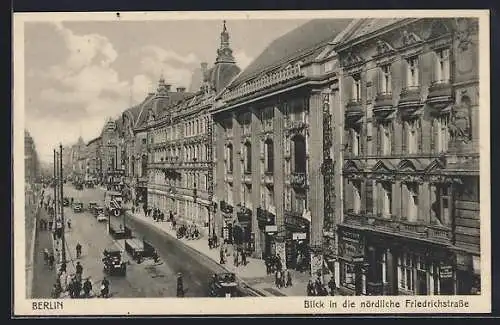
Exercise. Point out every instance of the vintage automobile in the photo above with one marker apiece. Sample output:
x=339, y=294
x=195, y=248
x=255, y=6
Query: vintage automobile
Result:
x=100, y=214
x=223, y=285
x=113, y=261
x=77, y=207
x=92, y=206
x=65, y=202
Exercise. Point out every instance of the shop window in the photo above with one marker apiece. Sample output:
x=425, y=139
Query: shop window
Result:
x=300, y=158
x=347, y=275
x=405, y=272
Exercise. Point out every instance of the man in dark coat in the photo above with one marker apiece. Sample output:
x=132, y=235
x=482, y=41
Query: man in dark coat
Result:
x=180, y=285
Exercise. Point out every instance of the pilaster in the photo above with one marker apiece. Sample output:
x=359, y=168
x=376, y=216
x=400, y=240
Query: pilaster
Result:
x=256, y=127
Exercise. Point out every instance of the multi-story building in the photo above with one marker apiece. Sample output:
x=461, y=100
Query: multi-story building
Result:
x=410, y=221
x=31, y=161
x=181, y=170
x=273, y=156
x=111, y=152
x=77, y=161
x=93, y=162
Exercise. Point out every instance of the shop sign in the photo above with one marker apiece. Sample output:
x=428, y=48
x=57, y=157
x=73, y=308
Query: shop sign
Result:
x=272, y=228
x=358, y=259
x=446, y=272
x=299, y=236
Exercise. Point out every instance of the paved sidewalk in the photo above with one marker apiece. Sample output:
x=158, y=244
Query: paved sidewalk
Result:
x=253, y=274
x=90, y=261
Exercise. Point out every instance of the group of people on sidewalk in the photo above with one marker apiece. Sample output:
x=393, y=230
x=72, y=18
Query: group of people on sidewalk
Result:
x=239, y=255
x=282, y=276
x=317, y=288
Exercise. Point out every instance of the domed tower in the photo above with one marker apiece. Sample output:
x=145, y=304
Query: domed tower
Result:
x=225, y=68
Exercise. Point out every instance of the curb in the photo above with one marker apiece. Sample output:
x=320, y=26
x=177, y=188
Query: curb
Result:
x=243, y=284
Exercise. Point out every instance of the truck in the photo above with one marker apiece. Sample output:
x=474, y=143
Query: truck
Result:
x=119, y=231
x=139, y=249
x=113, y=203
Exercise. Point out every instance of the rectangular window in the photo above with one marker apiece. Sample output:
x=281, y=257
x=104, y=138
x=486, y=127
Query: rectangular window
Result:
x=356, y=88
x=442, y=133
x=412, y=199
x=386, y=87
x=386, y=188
x=442, y=66
x=406, y=277
x=386, y=137
x=356, y=196
x=412, y=73
x=355, y=141
x=412, y=136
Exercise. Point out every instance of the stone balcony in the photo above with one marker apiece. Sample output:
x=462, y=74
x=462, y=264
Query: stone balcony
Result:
x=353, y=110
x=402, y=228
x=383, y=106
x=410, y=100
x=440, y=96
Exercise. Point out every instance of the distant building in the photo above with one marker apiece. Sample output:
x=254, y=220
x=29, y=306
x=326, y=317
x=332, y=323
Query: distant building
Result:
x=31, y=160
x=93, y=159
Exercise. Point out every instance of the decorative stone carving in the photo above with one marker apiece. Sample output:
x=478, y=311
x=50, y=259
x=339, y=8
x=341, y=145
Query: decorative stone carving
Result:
x=351, y=59
x=383, y=47
x=464, y=30
x=460, y=128
x=410, y=38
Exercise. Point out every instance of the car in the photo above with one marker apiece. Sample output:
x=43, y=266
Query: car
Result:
x=113, y=261
x=100, y=215
x=65, y=202
x=77, y=207
x=223, y=285
x=92, y=206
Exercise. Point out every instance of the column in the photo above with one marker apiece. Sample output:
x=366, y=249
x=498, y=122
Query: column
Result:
x=256, y=127
x=316, y=189
x=392, y=272
x=279, y=175
x=423, y=203
x=396, y=199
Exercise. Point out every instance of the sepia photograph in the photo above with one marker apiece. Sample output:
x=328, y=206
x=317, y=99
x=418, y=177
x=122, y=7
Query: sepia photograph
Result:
x=251, y=162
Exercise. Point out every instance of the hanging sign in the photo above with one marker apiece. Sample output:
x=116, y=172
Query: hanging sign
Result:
x=299, y=236
x=446, y=272
x=272, y=228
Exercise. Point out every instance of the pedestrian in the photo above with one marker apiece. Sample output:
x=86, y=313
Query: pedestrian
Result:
x=278, y=279
x=87, y=288
x=268, y=265
x=288, y=278
x=310, y=288
x=51, y=260
x=77, y=288
x=79, y=271
x=332, y=286
x=155, y=257
x=46, y=256
x=56, y=292
x=180, y=285
x=105, y=288
x=279, y=265
x=69, y=223
x=243, y=257
x=78, y=250
x=221, y=252
x=235, y=257
x=318, y=287
x=71, y=288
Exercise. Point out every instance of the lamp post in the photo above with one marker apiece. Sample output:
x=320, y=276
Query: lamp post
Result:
x=62, y=207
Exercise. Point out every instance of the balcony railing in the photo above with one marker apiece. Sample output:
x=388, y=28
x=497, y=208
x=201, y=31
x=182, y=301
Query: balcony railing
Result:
x=410, y=100
x=440, y=95
x=354, y=109
x=402, y=228
x=265, y=81
x=298, y=179
x=383, y=105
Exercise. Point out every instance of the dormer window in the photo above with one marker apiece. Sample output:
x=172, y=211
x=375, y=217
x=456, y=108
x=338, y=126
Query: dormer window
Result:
x=412, y=76
x=442, y=66
x=385, y=87
x=356, y=88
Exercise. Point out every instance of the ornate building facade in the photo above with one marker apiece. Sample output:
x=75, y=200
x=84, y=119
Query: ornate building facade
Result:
x=271, y=155
x=180, y=147
x=93, y=159
x=410, y=221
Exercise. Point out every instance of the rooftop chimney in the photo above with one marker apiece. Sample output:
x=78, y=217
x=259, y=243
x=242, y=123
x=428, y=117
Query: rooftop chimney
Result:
x=181, y=89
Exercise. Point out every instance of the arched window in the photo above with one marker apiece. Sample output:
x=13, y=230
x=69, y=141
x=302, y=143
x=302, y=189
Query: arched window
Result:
x=229, y=157
x=248, y=157
x=144, y=165
x=299, y=149
x=269, y=155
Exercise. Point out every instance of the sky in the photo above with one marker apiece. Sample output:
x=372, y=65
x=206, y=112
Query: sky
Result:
x=78, y=74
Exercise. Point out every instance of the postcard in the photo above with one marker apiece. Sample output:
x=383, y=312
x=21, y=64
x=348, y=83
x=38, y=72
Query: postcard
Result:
x=229, y=163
